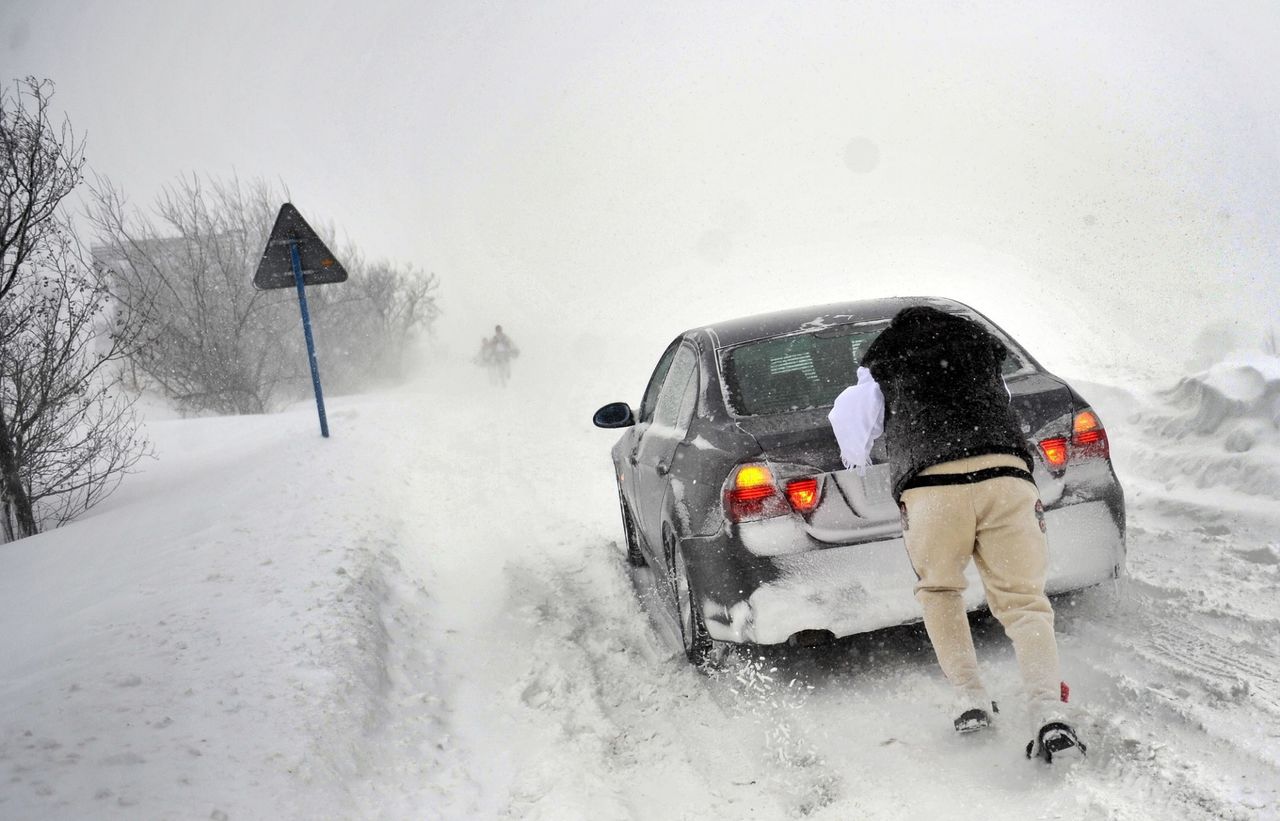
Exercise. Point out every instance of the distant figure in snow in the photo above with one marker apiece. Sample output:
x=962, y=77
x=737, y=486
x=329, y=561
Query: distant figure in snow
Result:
x=496, y=353
x=961, y=473
x=485, y=358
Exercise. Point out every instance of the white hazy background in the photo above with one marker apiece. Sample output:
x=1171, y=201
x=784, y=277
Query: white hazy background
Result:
x=1100, y=178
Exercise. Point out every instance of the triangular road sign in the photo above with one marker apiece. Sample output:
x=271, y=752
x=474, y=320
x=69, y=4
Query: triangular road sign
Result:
x=319, y=266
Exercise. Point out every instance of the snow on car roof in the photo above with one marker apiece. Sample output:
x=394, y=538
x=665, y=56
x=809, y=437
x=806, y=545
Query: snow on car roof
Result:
x=762, y=326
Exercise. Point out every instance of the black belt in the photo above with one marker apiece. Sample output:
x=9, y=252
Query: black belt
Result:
x=940, y=479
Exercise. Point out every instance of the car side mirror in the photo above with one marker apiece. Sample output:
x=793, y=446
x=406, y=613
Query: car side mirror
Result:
x=614, y=415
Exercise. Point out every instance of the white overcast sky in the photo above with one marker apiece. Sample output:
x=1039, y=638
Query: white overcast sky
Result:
x=1094, y=175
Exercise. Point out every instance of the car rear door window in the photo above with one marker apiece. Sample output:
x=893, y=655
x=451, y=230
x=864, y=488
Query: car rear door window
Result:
x=675, y=388
x=655, y=382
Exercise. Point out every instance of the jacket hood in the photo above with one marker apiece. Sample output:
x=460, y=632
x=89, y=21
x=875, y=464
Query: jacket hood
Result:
x=931, y=330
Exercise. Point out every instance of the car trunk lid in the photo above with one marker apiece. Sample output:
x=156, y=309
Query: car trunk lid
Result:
x=858, y=505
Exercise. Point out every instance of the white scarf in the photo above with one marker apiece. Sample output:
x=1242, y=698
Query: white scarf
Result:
x=857, y=419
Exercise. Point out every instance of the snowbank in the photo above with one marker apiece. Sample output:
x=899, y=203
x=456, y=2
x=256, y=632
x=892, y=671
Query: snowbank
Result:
x=1221, y=427
x=212, y=642
x=1244, y=388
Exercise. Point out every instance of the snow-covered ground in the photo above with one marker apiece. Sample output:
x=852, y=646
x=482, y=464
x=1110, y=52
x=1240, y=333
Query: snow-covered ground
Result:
x=428, y=616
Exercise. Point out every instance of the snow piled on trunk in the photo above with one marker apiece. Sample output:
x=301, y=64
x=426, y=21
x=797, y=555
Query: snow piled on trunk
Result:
x=429, y=616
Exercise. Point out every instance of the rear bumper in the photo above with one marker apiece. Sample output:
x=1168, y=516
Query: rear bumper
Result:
x=858, y=588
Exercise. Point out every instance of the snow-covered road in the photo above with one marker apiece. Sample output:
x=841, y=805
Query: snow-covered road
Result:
x=580, y=706
x=429, y=617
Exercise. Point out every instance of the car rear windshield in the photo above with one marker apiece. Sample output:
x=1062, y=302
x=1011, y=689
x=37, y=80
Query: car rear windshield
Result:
x=809, y=370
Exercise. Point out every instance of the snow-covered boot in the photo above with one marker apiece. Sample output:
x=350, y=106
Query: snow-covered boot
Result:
x=1054, y=738
x=975, y=719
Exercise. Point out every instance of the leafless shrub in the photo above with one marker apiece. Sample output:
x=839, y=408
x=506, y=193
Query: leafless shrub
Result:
x=371, y=321
x=215, y=343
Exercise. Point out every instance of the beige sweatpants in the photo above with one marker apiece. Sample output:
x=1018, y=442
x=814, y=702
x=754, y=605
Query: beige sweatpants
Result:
x=997, y=523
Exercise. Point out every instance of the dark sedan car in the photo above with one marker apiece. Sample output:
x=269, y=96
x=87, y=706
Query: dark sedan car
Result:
x=732, y=489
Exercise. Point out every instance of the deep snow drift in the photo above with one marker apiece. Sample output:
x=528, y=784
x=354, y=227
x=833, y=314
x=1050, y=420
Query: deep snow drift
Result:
x=428, y=616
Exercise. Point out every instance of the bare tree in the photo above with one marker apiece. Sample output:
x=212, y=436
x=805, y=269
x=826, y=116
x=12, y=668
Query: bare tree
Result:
x=68, y=424
x=217, y=344
x=67, y=432
x=214, y=342
x=42, y=164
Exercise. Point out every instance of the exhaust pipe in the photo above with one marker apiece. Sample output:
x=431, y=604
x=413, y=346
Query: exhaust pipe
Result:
x=810, y=638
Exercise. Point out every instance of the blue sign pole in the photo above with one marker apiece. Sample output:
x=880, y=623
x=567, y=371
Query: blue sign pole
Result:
x=306, y=329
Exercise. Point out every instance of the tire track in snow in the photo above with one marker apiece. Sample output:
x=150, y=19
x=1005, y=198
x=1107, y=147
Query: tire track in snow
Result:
x=566, y=701
x=638, y=716
x=1225, y=669
x=1183, y=662
x=750, y=687
x=1164, y=722
x=1221, y=632
x=794, y=768
x=1152, y=759
x=597, y=682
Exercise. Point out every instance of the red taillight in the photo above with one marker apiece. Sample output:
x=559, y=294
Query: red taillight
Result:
x=1088, y=441
x=1088, y=437
x=752, y=495
x=803, y=494
x=1086, y=421
x=1055, y=452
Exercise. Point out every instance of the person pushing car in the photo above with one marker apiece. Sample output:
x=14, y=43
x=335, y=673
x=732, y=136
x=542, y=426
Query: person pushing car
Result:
x=961, y=474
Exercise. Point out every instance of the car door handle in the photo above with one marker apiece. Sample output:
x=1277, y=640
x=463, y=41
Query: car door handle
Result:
x=663, y=469
x=632, y=459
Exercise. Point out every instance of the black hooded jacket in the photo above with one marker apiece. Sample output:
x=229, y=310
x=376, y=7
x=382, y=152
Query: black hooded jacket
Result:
x=944, y=396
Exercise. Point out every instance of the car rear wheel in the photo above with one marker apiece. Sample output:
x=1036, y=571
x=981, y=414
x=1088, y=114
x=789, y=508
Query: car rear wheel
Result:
x=701, y=650
x=635, y=557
